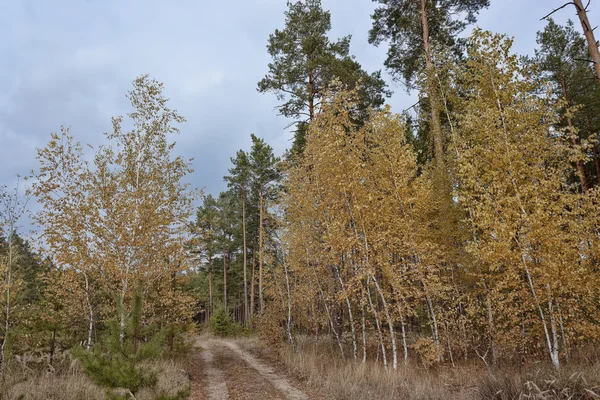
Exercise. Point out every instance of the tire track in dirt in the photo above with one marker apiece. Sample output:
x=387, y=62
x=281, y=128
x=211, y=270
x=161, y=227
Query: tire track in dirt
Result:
x=224, y=371
x=215, y=384
x=267, y=373
x=243, y=382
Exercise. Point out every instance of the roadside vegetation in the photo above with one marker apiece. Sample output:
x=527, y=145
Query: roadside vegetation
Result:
x=450, y=251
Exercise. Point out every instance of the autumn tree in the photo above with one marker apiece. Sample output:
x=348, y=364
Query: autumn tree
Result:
x=513, y=169
x=121, y=218
x=306, y=61
x=354, y=207
x=205, y=246
x=414, y=29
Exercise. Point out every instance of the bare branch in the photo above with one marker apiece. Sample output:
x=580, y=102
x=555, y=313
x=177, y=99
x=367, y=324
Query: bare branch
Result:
x=557, y=9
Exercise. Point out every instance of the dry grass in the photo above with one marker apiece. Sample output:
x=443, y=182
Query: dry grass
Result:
x=31, y=380
x=66, y=382
x=321, y=368
x=571, y=383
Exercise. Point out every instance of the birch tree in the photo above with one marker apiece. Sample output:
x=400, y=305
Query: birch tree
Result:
x=12, y=207
x=120, y=218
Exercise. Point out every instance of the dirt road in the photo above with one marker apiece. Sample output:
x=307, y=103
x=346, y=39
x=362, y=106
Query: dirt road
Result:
x=224, y=371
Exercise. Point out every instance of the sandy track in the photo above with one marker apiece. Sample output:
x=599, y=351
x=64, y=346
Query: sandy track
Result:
x=253, y=377
x=215, y=387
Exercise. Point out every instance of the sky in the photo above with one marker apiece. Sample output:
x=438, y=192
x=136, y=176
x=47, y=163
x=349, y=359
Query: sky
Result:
x=70, y=62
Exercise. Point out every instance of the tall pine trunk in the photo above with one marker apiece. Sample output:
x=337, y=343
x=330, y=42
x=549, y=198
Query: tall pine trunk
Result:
x=244, y=251
x=210, y=294
x=252, y=281
x=436, y=126
x=260, y=252
x=225, y=280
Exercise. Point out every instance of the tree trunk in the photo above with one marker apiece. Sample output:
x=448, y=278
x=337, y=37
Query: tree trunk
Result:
x=331, y=324
x=210, y=294
x=225, y=280
x=434, y=326
x=125, y=283
x=350, y=316
x=553, y=330
x=91, y=312
x=288, y=321
x=552, y=351
x=490, y=316
x=378, y=325
x=403, y=328
x=244, y=251
x=589, y=35
x=436, y=126
x=260, y=253
x=364, y=328
x=253, y=280
x=8, y=281
x=311, y=95
x=390, y=323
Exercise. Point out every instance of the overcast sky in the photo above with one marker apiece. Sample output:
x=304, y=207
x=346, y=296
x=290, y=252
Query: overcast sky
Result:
x=71, y=61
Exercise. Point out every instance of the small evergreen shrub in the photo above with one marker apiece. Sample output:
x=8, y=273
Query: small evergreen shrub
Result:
x=221, y=323
x=119, y=364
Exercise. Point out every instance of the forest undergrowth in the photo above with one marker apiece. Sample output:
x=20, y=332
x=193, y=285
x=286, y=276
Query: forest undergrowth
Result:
x=318, y=364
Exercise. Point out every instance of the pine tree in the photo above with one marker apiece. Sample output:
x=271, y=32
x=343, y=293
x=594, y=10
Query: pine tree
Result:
x=265, y=179
x=117, y=362
x=305, y=62
x=561, y=56
x=239, y=180
x=415, y=28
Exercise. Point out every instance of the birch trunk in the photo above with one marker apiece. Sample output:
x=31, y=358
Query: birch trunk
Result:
x=331, y=324
x=288, y=324
x=377, y=325
x=364, y=329
x=91, y=312
x=389, y=322
x=403, y=329
x=552, y=351
x=350, y=316
x=434, y=326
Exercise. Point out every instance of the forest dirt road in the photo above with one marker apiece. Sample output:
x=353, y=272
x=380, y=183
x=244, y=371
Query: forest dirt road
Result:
x=222, y=370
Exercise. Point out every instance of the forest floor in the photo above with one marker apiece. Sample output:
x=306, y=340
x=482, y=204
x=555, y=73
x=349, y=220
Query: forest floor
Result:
x=222, y=370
